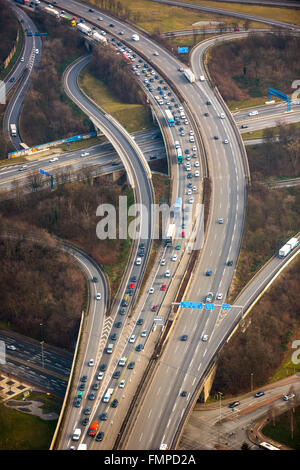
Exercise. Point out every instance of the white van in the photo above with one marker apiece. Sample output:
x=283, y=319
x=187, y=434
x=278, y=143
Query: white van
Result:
x=76, y=435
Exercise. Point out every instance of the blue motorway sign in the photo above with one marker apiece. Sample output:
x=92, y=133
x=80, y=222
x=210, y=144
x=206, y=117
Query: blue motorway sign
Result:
x=182, y=50
x=225, y=307
x=209, y=306
x=198, y=305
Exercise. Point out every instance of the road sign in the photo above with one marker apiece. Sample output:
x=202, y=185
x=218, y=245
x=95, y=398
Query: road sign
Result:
x=198, y=305
x=182, y=50
x=225, y=307
x=209, y=306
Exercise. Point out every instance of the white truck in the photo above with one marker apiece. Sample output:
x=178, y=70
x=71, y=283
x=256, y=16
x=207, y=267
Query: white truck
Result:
x=100, y=38
x=159, y=100
x=189, y=75
x=82, y=447
x=76, y=434
x=107, y=396
x=13, y=130
x=52, y=11
x=288, y=247
x=170, y=234
x=135, y=37
x=84, y=29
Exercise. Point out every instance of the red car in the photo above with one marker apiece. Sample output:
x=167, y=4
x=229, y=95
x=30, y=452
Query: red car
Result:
x=163, y=287
x=154, y=308
x=131, y=285
x=182, y=234
x=236, y=29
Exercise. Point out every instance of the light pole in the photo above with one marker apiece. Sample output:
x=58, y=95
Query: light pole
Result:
x=251, y=381
x=220, y=400
x=42, y=344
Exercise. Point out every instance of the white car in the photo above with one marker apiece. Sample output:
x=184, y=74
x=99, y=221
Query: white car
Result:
x=174, y=258
x=167, y=273
x=194, y=148
x=85, y=154
x=163, y=262
x=91, y=362
x=191, y=132
x=138, y=261
x=144, y=334
x=194, y=188
x=222, y=116
x=191, y=200
x=197, y=173
x=11, y=347
x=151, y=290
x=219, y=296
x=98, y=296
x=122, y=384
x=226, y=141
x=54, y=159
x=192, y=139
x=186, y=121
x=204, y=337
x=220, y=220
x=189, y=192
x=155, y=53
x=288, y=396
x=23, y=167
x=132, y=339
x=196, y=163
x=37, y=51
x=22, y=59
x=253, y=113
x=100, y=376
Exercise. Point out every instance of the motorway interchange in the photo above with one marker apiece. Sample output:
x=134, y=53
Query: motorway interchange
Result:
x=197, y=335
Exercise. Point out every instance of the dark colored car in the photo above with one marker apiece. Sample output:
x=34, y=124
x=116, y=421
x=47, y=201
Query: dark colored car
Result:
x=85, y=422
x=233, y=404
x=139, y=347
x=82, y=386
x=103, y=367
x=183, y=394
x=131, y=365
x=113, y=337
x=229, y=262
x=77, y=402
x=87, y=411
x=259, y=394
x=184, y=337
x=83, y=378
x=103, y=416
x=114, y=403
x=208, y=103
x=100, y=436
x=118, y=324
x=95, y=279
x=216, y=137
x=140, y=321
x=116, y=374
x=122, y=311
x=208, y=272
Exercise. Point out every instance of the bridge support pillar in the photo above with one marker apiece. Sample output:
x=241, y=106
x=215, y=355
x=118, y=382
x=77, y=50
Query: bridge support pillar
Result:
x=208, y=383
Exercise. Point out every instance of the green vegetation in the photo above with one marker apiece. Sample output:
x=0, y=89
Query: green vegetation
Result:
x=133, y=117
x=244, y=70
x=21, y=431
x=287, y=15
x=286, y=429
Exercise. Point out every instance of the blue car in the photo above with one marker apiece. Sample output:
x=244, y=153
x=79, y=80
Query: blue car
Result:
x=259, y=394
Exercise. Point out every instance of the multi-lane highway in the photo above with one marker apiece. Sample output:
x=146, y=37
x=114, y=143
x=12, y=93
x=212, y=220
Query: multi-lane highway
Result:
x=184, y=362
x=21, y=74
